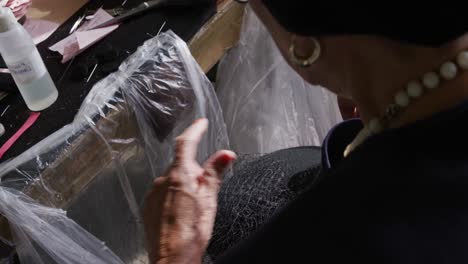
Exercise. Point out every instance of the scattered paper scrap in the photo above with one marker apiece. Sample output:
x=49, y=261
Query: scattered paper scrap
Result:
x=40, y=29
x=84, y=37
x=19, y=7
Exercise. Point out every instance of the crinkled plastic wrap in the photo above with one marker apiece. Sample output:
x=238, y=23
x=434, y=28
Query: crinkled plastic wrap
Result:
x=98, y=168
x=267, y=105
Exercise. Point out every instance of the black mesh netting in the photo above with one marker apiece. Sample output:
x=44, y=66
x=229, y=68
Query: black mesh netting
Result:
x=260, y=186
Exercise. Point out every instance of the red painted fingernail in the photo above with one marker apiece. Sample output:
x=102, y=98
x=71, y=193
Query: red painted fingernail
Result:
x=227, y=159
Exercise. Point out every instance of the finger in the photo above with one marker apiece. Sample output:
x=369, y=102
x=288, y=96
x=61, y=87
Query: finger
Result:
x=159, y=181
x=187, y=143
x=159, y=184
x=219, y=162
x=155, y=194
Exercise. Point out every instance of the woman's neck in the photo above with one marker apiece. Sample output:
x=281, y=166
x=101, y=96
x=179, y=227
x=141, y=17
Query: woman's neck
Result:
x=446, y=96
x=379, y=84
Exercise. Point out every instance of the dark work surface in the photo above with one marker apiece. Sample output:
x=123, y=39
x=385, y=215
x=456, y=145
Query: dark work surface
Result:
x=185, y=22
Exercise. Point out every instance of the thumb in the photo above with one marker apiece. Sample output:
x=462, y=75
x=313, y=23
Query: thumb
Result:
x=218, y=163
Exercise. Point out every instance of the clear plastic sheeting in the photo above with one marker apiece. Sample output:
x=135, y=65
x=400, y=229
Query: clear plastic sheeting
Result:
x=98, y=168
x=267, y=105
x=50, y=229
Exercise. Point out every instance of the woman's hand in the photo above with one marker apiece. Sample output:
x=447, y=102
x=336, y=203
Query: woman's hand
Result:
x=180, y=208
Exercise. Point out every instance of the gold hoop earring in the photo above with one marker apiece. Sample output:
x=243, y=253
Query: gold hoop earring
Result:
x=304, y=61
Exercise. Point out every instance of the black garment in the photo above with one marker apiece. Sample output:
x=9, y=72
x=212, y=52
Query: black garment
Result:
x=401, y=197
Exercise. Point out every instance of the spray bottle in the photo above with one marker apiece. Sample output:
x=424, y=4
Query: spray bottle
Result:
x=25, y=63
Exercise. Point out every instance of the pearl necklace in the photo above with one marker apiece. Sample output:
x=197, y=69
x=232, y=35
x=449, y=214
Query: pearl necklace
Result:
x=413, y=90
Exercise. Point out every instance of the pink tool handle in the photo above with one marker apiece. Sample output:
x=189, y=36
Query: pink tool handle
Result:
x=29, y=122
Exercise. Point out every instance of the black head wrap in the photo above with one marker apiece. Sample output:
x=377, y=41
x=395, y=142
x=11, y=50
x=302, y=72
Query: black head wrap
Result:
x=431, y=25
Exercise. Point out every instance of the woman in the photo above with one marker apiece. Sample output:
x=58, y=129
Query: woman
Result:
x=393, y=189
